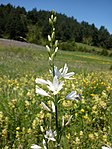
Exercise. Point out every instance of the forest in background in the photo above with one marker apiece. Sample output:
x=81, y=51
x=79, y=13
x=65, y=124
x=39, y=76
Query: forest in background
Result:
x=32, y=26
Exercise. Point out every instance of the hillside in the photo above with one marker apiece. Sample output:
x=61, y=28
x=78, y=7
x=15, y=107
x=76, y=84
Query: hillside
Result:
x=18, y=58
x=33, y=26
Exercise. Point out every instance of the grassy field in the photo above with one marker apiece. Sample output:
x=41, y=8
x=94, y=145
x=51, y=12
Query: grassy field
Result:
x=16, y=60
x=21, y=113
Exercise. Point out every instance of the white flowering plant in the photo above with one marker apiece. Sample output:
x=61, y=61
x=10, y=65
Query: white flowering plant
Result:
x=53, y=92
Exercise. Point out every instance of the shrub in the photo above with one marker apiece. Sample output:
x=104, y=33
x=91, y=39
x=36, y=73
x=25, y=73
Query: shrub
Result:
x=104, y=52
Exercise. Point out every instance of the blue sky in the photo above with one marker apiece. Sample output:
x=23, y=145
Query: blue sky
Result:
x=98, y=12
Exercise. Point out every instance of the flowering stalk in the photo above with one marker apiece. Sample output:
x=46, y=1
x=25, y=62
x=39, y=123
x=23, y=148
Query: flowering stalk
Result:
x=54, y=88
x=52, y=48
x=52, y=53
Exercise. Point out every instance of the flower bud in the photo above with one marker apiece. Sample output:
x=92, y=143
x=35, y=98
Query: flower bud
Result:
x=50, y=21
x=54, y=19
x=53, y=55
x=53, y=29
x=50, y=59
x=41, y=128
x=56, y=43
x=49, y=38
x=56, y=49
x=53, y=34
x=48, y=49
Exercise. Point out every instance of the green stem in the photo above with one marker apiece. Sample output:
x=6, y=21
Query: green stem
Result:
x=57, y=125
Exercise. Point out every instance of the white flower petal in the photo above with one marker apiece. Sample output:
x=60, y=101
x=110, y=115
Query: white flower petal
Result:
x=65, y=69
x=34, y=146
x=40, y=91
x=57, y=73
x=61, y=70
x=55, y=87
x=40, y=81
x=68, y=75
x=55, y=83
x=45, y=107
x=69, y=120
x=64, y=73
x=72, y=96
x=60, y=86
x=50, y=86
x=52, y=139
x=104, y=147
x=50, y=135
x=44, y=144
x=53, y=107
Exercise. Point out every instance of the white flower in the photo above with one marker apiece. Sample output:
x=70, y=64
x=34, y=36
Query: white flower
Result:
x=40, y=91
x=72, y=96
x=50, y=135
x=104, y=147
x=55, y=87
x=34, y=146
x=64, y=73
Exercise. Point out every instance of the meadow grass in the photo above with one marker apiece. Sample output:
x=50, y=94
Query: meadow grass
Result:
x=21, y=113
x=18, y=61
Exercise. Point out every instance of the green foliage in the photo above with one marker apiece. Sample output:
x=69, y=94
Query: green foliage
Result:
x=33, y=60
x=68, y=46
x=104, y=52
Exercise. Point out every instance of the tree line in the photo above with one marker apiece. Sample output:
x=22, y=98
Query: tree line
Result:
x=32, y=26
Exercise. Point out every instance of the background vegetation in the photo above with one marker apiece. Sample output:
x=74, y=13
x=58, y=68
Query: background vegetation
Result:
x=32, y=26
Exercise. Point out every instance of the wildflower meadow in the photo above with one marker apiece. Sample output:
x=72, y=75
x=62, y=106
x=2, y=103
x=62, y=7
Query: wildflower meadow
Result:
x=59, y=109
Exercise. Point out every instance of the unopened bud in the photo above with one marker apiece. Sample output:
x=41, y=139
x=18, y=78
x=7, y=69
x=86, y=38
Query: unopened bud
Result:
x=48, y=49
x=49, y=38
x=56, y=49
x=50, y=21
x=50, y=59
x=53, y=34
x=53, y=55
x=41, y=128
x=56, y=43
x=54, y=19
